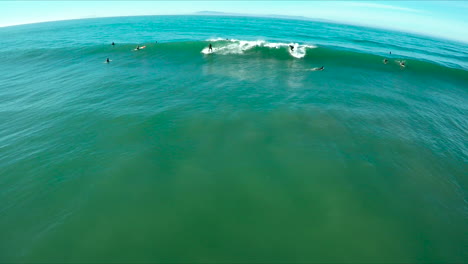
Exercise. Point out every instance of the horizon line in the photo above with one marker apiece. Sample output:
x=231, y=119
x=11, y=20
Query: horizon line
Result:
x=272, y=16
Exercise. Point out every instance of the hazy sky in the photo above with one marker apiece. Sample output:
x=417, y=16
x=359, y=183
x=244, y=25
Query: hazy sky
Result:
x=447, y=19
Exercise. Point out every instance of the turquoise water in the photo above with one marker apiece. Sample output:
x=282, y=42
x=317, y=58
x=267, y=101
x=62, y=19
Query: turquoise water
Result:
x=169, y=154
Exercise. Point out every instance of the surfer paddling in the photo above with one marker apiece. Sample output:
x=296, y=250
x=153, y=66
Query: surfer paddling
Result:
x=107, y=60
x=113, y=44
x=402, y=64
x=139, y=48
x=318, y=69
x=385, y=61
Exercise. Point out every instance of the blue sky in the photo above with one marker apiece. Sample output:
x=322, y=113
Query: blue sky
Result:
x=446, y=19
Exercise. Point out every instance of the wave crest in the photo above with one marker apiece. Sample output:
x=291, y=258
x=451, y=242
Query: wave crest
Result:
x=235, y=46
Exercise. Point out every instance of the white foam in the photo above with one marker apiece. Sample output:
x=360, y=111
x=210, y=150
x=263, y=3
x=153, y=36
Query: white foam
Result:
x=276, y=45
x=298, y=51
x=235, y=47
x=240, y=46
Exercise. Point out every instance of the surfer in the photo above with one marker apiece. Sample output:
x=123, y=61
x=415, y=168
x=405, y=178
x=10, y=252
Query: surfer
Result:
x=291, y=47
x=210, y=48
x=385, y=61
x=318, y=69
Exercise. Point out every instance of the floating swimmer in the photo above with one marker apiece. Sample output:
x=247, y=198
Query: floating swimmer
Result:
x=318, y=68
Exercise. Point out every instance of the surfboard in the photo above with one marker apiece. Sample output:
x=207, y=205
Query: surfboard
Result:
x=206, y=51
x=142, y=47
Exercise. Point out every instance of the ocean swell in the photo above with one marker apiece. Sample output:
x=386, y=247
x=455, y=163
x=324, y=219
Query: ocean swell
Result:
x=235, y=46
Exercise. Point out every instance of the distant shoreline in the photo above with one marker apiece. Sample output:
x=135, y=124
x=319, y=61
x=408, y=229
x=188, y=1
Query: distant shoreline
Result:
x=272, y=16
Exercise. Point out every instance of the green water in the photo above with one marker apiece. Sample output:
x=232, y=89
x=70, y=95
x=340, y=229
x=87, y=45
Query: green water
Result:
x=245, y=155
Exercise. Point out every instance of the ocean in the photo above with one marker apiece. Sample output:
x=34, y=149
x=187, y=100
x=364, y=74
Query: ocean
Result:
x=246, y=154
